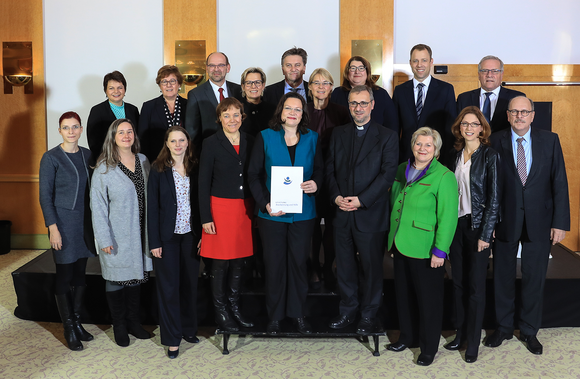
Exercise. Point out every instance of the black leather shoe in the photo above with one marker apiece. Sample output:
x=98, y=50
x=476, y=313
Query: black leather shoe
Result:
x=497, y=338
x=303, y=325
x=532, y=343
x=454, y=345
x=470, y=358
x=366, y=325
x=273, y=327
x=340, y=321
x=396, y=347
x=425, y=360
x=191, y=339
x=172, y=354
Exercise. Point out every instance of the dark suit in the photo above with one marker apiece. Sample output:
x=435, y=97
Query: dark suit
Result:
x=274, y=92
x=439, y=113
x=499, y=120
x=527, y=213
x=367, y=174
x=201, y=106
x=177, y=269
x=100, y=118
x=153, y=124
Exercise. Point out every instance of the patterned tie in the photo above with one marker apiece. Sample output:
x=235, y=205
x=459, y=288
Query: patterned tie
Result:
x=221, y=90
x=419, y=105
x=295, y=90
x=487, y=106
x=522, y=172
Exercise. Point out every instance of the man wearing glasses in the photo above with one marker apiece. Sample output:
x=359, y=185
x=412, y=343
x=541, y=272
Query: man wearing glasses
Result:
x=360, y=168
x=491, y=98
x=203, y=100
x=424, y=101
x=293, y=67
x=534, y=211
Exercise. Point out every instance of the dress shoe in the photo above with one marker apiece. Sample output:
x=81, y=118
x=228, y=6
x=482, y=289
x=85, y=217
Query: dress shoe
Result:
x=366, y=325
x=454, y=345
x=273, y=327
x=191, y=339
x=470, y=358
x=532, y=343
x=341, y=321
x=397, y=346
x=172, y=354
x=425, y=360
x=497, y=338
x=303, y=326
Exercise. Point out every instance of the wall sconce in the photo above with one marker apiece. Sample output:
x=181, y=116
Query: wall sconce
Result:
x=372, y=50
x=17, y=64
x=190, y=59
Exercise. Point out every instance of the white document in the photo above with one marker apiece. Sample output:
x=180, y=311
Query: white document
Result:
x=285, y=191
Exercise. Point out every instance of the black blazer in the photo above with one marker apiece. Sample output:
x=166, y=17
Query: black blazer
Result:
x=499, y=121
x=100, y=118
x=222, y=172
x=274, y=92
x=544, y=201
x=439, y=113
x=162, y=206
x=153, y=124
x=201, y=106
x=371, y=175
x=258, y=116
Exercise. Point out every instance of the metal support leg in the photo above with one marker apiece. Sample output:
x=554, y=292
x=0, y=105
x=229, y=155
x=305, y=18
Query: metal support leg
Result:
x=227, y=338
x=376, y=352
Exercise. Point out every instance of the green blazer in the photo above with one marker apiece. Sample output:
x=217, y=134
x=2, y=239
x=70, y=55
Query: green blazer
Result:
x=424, y=212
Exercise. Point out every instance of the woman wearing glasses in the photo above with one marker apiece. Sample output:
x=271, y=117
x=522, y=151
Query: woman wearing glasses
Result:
x=357, y=72
x=475, y=166
x=324, y=116
x=258, y=112
x=286, y=236
x=161, y=113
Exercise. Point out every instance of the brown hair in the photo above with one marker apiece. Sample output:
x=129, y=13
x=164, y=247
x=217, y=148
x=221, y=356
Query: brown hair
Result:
x=116, y=76
x=226, y=104
x=455, y=128
x=295, y=51
x=110, y=153
x=167, y=70
x=276, y=121
x=421, y=47
x=369, y=82
x=165, y=160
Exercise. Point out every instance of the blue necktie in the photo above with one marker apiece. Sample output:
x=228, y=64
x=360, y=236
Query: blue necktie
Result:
x=487, y=106
x=419, y=105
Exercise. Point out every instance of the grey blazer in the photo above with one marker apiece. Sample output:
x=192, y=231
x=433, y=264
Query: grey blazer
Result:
x=116, y=223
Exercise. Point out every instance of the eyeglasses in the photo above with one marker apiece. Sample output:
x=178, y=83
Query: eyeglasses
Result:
x=354, y=104
x=214, y=66
x=359, y=68
x=290, y=109
x=472, y=124
x=66, y=128
x=322, y=84
x=251, y=83
x=168, y=82
x=493, y=72
x=524, y=113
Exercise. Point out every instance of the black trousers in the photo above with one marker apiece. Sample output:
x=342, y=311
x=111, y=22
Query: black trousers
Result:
x=370, y=247
x=469, y=268
x=419, y=291
x=534, y=264
x=177, y=271
x=286, y=250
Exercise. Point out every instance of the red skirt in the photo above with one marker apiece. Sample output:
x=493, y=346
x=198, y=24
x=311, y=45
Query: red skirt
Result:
x=233, y=226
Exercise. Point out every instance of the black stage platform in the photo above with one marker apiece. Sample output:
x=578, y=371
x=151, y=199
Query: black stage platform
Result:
x=34, y=286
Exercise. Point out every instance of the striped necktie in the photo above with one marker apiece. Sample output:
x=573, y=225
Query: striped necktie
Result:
x=419, y=105
x=521, y=157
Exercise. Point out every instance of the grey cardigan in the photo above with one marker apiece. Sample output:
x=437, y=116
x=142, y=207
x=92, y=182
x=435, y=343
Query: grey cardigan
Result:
x=116, y=223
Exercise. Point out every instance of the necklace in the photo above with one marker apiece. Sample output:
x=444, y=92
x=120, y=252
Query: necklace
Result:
x=233, y=140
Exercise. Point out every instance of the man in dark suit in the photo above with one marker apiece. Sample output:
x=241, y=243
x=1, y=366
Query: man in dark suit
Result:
x=424, y=101
x=534, y=211
x=360, y=168
x=203, y=100
x=491, y=98
x=293, y=67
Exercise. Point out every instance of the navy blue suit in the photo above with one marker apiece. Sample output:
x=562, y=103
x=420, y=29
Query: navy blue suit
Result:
x=274, y=92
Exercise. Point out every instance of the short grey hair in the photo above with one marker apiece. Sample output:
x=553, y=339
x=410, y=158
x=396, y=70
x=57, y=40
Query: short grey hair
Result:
x=362, y=88
x=428, y=132
x=488, y=57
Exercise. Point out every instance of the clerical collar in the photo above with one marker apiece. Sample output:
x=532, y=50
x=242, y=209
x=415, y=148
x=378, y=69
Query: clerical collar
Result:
x=362, y=129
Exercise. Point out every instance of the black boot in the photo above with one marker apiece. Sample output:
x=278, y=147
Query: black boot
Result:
x=218, y=290
x=65, y=308
x=79, y=295
x=133, y=299
x=235, y=281
x=117, y=306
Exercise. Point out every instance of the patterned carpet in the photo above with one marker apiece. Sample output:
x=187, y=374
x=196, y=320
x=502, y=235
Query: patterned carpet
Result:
x=37, y=350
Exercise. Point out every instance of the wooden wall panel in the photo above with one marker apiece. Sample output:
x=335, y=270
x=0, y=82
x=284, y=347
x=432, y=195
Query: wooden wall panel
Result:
x=360, y=20
x=565, y=114
x=22, y=123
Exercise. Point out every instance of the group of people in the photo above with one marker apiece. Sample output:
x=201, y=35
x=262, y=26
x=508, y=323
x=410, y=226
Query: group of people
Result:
x=419, y=174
